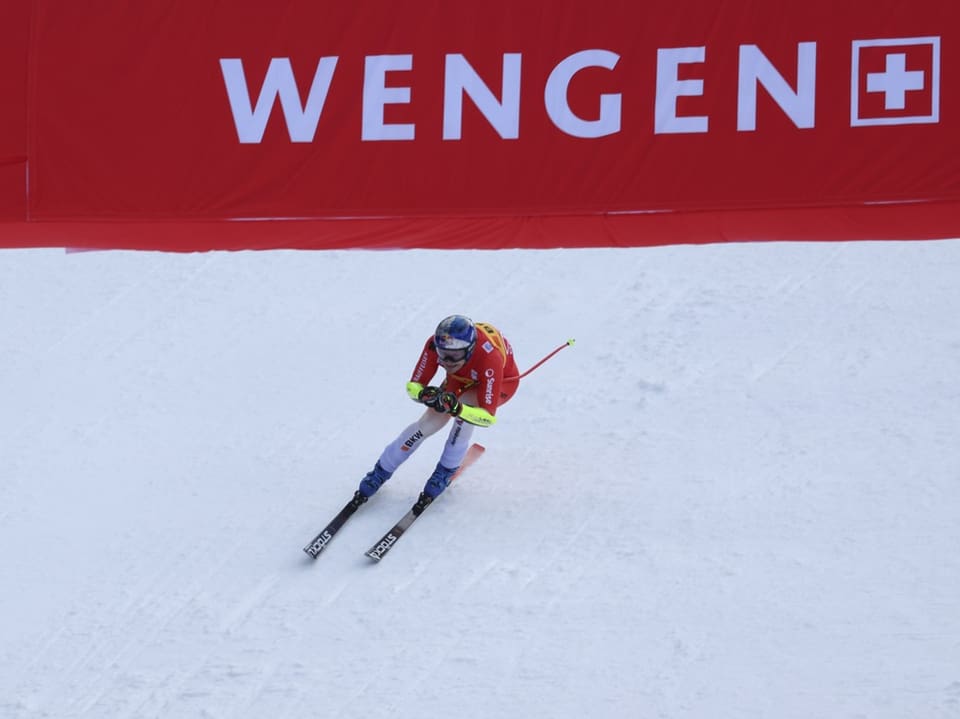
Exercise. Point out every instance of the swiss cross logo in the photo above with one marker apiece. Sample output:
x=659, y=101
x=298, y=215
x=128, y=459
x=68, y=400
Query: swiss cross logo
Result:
x=895, y=81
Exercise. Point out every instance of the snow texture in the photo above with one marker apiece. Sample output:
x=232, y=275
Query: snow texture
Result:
x=738, y=495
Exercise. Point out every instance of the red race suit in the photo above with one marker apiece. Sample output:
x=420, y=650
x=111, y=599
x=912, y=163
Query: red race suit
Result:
x=491, y=370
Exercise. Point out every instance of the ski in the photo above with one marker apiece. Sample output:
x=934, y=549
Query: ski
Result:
x=386, y=542
x=378, y=550
x=319, y=543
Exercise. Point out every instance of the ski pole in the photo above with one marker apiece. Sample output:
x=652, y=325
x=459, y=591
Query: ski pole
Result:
x=568, y=343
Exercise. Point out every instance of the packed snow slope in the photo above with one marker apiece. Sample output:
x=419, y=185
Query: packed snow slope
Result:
x=738, y=495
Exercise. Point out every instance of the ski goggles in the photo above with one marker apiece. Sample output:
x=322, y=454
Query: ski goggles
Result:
x=452, y=356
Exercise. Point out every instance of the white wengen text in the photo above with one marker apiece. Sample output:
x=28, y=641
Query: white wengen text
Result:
x=502, y=111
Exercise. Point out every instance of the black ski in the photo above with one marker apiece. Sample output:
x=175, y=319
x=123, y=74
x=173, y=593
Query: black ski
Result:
x=378, y=550
x=319, y=543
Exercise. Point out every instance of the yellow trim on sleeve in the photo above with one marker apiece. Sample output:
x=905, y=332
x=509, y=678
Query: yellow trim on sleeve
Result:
x=476, y=415
x=413, y=390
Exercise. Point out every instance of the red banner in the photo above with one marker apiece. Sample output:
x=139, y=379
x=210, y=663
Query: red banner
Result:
x=487, y=125
x=14, y=31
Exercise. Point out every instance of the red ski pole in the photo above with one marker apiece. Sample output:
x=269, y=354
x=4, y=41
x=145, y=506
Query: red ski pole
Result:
x=568, y=343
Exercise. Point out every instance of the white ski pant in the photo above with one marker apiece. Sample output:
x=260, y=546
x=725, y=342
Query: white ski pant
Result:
x=431, y=422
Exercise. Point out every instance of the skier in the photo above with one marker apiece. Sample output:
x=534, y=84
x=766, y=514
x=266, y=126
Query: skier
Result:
x=481, y=375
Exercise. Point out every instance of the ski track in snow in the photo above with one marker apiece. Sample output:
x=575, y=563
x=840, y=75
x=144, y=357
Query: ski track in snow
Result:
x=736, y=496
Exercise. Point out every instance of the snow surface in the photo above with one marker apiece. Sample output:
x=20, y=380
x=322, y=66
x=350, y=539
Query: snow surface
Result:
x=737, y=496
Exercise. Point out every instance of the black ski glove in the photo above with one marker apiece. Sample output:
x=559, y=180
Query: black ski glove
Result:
x=430, y=396
x=448, y=403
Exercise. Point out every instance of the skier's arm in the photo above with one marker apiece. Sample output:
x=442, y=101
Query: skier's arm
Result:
x=424, y=371
x=488, y=393
x=469, y=413
x=476, y=415
x=413, y=390
x=426, y=366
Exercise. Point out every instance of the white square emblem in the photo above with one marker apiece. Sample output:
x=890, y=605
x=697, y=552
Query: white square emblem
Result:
x=895, y=81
